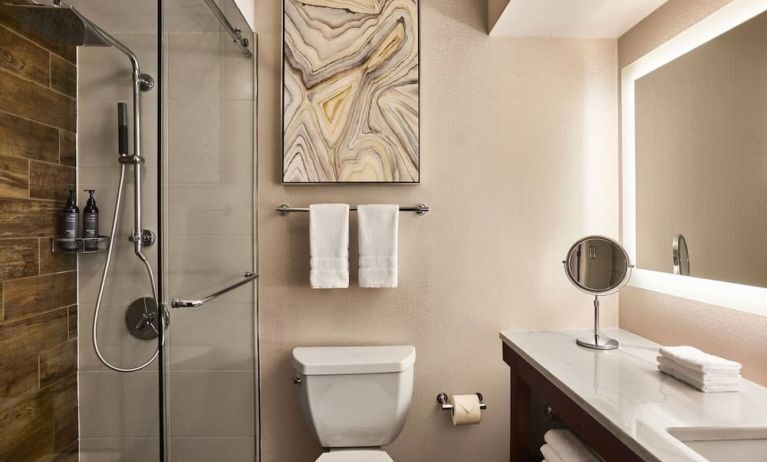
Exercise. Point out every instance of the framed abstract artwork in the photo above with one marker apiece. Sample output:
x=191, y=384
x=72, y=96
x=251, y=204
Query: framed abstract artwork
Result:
x=350, y=91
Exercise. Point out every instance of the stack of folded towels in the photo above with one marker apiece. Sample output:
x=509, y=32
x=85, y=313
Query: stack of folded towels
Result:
x=707, y=373
x=563, y=446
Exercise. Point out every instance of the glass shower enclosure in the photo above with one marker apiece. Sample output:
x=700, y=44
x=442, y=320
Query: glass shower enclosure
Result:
x=166, y=320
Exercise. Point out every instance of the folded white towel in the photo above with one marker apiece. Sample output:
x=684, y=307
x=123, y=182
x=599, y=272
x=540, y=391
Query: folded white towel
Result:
x=712, y=378
x=378, y=245
x=706, y=387
x=695, y=359
x=329, y=245
x=549, y=454
x=568, y=447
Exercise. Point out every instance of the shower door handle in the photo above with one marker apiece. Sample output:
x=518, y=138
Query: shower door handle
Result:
x=180, y=303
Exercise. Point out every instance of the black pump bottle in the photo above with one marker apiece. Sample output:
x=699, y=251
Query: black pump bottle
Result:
x=91, y=223
x=68, y=223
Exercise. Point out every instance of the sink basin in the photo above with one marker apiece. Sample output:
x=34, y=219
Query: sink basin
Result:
x=725, y=444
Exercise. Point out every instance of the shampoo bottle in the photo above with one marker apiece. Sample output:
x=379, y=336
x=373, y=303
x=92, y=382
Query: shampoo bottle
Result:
x=91, y=223
x=68, y=221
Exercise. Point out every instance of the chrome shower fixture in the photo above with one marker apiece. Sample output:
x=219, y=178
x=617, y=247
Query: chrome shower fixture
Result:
x=62, y=23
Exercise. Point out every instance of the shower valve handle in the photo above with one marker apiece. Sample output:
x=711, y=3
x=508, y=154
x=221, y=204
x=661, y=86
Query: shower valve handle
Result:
x=122, y=128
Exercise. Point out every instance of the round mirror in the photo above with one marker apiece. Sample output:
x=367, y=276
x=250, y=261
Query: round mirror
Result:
x=681, y=256
x=597, y=265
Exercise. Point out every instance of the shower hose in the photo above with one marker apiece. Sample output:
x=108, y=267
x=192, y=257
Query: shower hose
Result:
x=104, y=276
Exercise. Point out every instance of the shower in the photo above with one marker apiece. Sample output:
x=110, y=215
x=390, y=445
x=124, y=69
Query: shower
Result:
x=62, y=23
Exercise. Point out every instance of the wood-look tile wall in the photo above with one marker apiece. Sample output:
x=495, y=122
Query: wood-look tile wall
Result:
x=38, y=290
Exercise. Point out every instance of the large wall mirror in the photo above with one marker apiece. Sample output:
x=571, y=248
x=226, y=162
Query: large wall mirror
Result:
x=695, y=159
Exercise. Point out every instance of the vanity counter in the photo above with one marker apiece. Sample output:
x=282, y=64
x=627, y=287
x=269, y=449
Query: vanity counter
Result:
x=620, y=391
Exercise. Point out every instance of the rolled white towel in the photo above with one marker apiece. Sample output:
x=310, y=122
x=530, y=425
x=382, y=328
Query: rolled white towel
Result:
x=693, y=358
x=549, y=454
x=568, y=447
x=712, y=378
x=706, y=387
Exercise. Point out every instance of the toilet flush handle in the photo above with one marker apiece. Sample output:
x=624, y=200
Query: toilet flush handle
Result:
x=298, y=380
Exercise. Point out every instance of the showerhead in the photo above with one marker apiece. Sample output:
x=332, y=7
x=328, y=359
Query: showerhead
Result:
x=58, y=22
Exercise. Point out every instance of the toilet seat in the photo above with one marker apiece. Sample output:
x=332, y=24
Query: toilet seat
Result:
x=355, y=455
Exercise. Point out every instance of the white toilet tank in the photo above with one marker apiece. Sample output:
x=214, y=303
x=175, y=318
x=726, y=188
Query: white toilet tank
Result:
x=355, y=396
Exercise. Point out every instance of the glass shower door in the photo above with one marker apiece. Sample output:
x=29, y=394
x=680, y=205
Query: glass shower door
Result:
x=208, y=232
x=118, y=412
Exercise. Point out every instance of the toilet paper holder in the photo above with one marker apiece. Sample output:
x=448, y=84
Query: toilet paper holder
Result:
x=445, y=405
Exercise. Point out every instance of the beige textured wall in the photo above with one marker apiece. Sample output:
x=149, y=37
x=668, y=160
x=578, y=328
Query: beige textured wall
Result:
x=667, y=319
x=519, y=159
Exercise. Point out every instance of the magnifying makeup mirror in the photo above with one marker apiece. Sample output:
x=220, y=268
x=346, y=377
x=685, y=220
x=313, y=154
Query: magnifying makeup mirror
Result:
x=598, y=266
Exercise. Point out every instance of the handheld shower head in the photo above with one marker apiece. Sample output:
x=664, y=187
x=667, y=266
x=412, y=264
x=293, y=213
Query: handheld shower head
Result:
x=122, y=129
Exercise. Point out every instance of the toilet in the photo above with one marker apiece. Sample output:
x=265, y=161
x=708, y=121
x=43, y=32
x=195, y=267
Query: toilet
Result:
x=355, y=399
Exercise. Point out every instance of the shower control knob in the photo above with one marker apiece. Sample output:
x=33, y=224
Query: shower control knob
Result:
x=148, y=237
x=145, y=82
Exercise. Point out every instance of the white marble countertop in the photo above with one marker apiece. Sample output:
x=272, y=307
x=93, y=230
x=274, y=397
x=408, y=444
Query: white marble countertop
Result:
x=623, y=390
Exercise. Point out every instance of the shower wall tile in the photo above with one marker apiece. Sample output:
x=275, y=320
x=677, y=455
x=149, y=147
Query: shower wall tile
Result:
x=219, y=337
x=38, y=290
x=72, y=322
x=206, y=403
x=55, y=262
x=14, y=177
x=9, y=20
x=32, y=101
x=118, y=405
x=199, y=449
x=23, y=57
x=193, y=66
x=115, y=342
x=24, y=138
x=119, y=449
x=19, y=258
x=210, y=202
x=68, y=148
x=24, y=297
x=22, y=342
x=26, y=218
x=58, y=362
x=63, y=76
x=50, y=181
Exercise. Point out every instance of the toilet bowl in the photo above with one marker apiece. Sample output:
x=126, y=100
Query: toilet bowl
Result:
x=355, y=399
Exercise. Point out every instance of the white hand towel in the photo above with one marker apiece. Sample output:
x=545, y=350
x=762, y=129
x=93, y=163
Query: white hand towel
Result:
x=329, y=245
x=568, y=447
x=549, y=454
x=703, y=377
x=695, y=359
x=378, y=245
x=705, y=387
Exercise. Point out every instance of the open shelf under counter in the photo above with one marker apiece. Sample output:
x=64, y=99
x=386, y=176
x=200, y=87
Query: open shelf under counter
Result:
x=617, y=401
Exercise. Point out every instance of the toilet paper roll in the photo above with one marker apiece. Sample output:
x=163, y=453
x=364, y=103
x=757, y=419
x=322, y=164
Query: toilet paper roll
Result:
x=466, y=409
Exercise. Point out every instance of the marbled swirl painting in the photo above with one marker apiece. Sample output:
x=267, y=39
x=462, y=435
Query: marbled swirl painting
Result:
x=350, y=91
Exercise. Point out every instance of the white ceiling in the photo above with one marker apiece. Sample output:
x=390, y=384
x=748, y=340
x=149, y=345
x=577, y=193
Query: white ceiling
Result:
x=571, y=18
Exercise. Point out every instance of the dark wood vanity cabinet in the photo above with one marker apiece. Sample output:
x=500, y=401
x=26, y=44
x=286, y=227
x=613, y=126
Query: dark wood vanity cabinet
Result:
x=526, y=380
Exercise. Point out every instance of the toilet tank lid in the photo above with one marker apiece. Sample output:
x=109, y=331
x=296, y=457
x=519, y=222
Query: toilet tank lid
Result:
x=353, y=359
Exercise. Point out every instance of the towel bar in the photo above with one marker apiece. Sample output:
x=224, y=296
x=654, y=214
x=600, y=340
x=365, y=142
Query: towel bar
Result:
x=419, y=209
